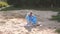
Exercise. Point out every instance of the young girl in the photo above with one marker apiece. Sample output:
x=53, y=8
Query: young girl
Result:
x=31, y=19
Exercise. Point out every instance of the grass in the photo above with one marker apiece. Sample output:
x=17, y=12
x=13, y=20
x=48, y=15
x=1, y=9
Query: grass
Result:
x=10, y=8
x=57, y=30
x=34, y=8
x=57, y=17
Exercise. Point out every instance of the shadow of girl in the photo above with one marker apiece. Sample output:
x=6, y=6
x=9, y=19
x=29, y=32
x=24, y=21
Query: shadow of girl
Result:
x=29, y=28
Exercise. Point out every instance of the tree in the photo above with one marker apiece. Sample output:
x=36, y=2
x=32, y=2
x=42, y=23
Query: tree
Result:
x=35, y=3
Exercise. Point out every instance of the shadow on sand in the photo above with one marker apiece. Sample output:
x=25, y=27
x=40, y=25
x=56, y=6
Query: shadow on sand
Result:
x=29, y=28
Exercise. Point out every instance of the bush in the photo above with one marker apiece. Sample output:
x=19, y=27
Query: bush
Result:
x=3, y=4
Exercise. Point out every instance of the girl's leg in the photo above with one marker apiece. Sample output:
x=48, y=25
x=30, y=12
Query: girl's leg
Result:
x=29, y=24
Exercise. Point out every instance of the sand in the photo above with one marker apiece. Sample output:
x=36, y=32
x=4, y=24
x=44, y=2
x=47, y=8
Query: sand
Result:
x=13, y=22
x=16, y=26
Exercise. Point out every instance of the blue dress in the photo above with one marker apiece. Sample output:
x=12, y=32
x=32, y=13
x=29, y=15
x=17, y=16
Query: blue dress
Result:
x=31, y=19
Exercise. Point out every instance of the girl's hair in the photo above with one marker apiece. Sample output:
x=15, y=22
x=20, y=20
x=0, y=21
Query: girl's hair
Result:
x=30, y=13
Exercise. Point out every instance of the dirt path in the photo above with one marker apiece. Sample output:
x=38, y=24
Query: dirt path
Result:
x=14, y=24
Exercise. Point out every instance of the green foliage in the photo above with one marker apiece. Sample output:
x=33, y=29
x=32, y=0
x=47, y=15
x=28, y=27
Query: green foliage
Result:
x=33, y=3
x=57, y=17
x=3, y=4
x=36, y=4
x=57, y=30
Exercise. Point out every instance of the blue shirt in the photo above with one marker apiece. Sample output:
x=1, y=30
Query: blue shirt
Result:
x=31, y=19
